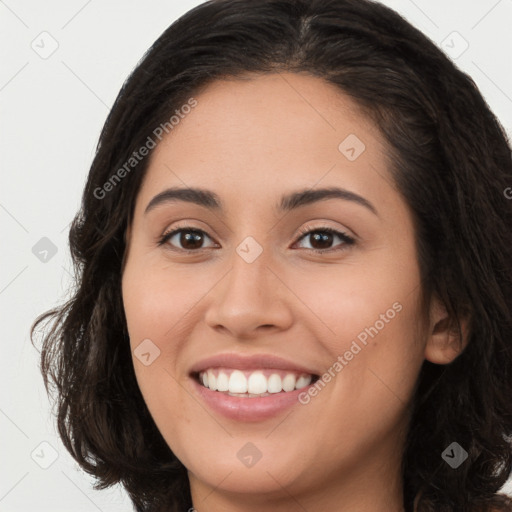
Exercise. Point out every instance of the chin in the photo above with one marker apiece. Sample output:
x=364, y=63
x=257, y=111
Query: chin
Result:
x=236, y=467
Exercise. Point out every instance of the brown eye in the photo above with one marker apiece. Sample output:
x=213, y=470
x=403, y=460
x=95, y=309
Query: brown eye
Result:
x=321, y=239
x=190, y=239
x=187, y=239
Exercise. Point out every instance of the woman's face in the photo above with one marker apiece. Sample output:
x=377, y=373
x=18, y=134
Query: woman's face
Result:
x=245, y=298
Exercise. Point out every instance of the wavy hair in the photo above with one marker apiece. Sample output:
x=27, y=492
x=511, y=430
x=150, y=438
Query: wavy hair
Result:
x=449, y=158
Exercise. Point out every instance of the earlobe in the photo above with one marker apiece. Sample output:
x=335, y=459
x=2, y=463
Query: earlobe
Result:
x=444, y=342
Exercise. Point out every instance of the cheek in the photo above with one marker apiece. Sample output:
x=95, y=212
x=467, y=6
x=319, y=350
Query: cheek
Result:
x=161, y=310
x=366, y=320
x=158, y=300
x=369, y=302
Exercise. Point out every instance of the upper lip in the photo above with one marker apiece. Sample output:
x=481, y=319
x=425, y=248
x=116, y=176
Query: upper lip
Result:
x=249, y=362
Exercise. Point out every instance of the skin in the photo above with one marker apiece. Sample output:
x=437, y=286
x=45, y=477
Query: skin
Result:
x=251, y=141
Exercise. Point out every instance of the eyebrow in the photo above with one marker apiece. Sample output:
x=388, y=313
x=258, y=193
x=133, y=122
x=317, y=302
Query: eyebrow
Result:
x=291, y=201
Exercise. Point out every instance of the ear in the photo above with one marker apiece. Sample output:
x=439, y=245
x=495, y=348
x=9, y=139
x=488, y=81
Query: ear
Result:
x=444, y=343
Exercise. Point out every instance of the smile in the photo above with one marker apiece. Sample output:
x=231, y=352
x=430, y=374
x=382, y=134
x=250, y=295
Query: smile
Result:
x=254, y=383
x=250, y=388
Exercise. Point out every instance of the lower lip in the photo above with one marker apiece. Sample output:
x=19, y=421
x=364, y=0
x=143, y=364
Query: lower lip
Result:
x=248, y=409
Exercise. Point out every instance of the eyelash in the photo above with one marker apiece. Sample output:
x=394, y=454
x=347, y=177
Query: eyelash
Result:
x=307, y=230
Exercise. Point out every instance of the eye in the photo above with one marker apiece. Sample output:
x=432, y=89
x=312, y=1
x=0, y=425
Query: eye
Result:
x=190, y=238
x=323, y=237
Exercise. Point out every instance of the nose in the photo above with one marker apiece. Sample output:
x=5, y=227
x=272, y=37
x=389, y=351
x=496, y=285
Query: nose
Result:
x=251, y=299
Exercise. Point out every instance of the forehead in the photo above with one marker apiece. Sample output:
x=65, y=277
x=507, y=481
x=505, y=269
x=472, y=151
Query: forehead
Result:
x=282, y=110
x=252, y=136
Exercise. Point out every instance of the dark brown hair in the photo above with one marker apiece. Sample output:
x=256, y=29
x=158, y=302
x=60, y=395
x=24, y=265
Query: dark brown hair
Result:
x=450, y=160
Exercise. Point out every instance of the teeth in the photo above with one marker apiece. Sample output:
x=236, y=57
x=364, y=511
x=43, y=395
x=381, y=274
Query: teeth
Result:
x=222, y=382
x=303, y=381
x=237, y=382
x=257, y=383
x=289, y=382
x=274, y=383
x=245, y=395
x=212, y=381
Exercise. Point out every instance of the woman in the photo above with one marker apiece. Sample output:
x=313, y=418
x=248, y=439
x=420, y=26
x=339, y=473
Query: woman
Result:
x=294, y=272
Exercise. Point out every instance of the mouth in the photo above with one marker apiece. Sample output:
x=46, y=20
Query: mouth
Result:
x=250, y=388
x=257, y=383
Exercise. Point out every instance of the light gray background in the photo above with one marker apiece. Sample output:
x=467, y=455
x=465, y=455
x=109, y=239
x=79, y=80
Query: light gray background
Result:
x=52, y=110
